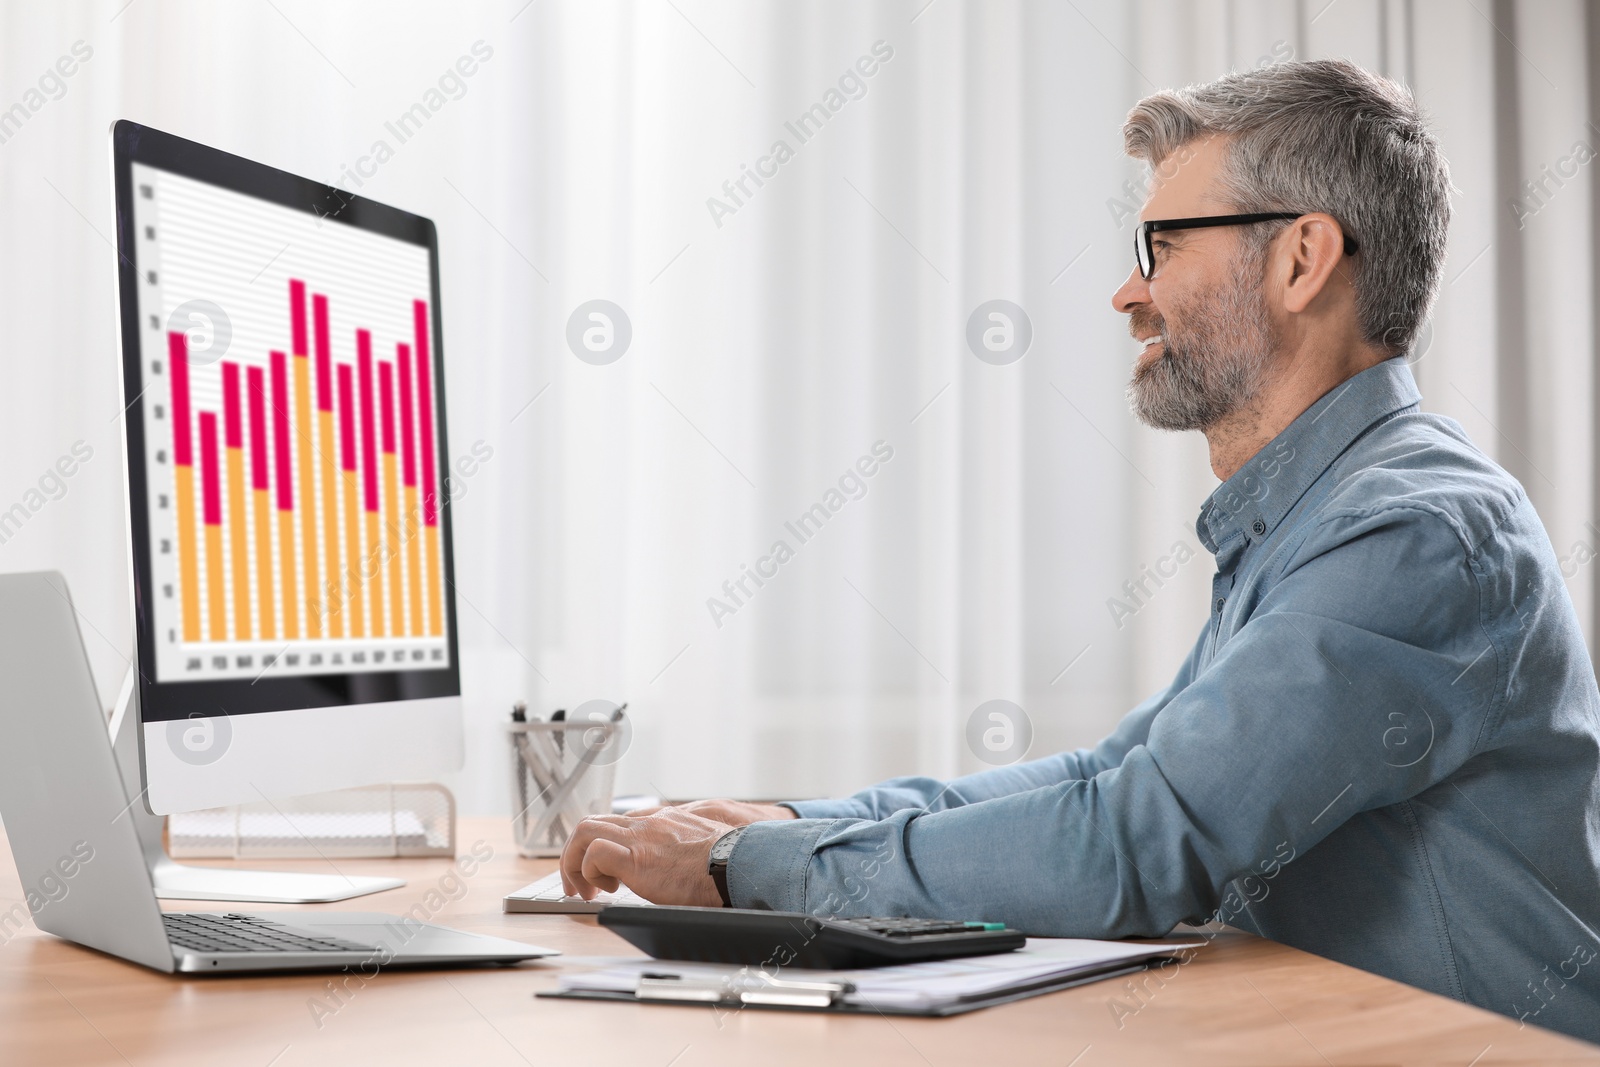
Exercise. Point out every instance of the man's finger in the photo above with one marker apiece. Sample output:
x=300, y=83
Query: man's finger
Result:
x=572, y=881
x=607, y=864
x=569, y=883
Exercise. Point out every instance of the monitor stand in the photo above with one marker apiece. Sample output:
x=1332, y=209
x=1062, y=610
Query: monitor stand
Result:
x=179, y=881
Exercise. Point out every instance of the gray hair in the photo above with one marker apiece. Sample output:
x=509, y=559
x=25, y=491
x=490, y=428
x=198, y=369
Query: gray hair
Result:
x=1324, y=136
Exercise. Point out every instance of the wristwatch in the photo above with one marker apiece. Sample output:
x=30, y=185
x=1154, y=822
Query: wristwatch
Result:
x=718, y=865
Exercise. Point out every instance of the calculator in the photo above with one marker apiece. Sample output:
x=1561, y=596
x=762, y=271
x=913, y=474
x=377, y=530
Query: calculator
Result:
x=771, y=939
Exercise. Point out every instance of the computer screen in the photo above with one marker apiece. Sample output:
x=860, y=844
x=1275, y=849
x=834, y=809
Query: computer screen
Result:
x=294, y=400
x=285, y=438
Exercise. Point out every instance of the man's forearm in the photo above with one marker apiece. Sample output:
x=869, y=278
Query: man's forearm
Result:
x=1036, y=860
x=931, y=794
x=1054, y=861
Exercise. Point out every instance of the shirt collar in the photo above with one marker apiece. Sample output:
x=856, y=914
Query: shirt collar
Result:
x=1254, y=501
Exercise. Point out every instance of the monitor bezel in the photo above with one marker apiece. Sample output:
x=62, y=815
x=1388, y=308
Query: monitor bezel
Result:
x=180, y=699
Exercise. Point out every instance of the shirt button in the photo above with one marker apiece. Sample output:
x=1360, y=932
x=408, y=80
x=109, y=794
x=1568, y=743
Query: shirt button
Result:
x=1221, y=600
x=1259, y=527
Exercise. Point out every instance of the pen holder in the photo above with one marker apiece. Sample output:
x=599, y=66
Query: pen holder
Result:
x=562, y=772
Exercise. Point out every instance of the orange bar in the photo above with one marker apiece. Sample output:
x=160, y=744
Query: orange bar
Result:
x=236, y=545
x=291, y=609
x=371, y=568
x=216, y=596
x=352, y=539
x=188, y=563
x=264, y=599
x=413, y=562
x=334, y=604
x=435, y=613
x=391, y=547
x=308, y=494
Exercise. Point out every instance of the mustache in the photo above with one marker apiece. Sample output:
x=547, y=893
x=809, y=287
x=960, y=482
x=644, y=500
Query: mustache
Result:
x=1141, y=326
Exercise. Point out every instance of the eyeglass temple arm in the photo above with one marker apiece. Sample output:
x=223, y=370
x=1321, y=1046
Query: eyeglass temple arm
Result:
x=1351, y=245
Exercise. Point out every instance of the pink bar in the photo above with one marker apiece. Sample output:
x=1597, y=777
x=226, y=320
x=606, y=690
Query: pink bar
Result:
x=210, y=482
x=347, y=420
x=297, y=315
x=386, y=404
x=369, y=458
x=258, y=428
x=408, y=451
x=430, y=502
x=280, y=431
x=232, y=433
x=319, y=313
x=178, y=357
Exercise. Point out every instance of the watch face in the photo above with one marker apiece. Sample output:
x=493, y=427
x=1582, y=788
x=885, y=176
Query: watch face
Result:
x=724, y=846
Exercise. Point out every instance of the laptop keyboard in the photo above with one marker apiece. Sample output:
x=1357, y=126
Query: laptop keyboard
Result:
x=247, y=933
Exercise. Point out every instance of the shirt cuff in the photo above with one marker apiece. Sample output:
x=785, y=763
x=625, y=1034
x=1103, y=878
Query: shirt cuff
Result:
x=828, y=808
x=769, y=863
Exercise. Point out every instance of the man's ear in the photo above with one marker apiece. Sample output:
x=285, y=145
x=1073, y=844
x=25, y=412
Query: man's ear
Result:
x=1315, y=244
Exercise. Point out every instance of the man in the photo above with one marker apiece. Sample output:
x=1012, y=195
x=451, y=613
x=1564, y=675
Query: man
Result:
x=1384, y=748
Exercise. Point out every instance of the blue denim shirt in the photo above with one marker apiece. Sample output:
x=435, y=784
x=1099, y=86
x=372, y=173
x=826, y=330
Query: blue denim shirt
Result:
x=1384, y=748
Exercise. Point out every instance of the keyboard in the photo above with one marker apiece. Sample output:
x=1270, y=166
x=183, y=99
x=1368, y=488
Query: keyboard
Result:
x=247, y=933
x=790, y=939
x=546, y=896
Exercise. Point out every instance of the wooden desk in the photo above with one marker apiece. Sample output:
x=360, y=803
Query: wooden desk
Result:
x=1241, y=1001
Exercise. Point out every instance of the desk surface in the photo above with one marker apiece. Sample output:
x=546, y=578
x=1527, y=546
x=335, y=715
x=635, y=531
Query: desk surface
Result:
x=1241, y=1001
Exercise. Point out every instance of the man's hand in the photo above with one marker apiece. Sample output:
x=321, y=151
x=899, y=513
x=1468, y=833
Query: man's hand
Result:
x=662, y=856
x=732, y=812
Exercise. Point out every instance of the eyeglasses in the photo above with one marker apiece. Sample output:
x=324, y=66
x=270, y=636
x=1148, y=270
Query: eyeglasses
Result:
x=1144, y=250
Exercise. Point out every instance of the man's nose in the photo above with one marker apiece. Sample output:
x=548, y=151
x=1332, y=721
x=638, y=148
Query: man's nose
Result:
x=1133, y=292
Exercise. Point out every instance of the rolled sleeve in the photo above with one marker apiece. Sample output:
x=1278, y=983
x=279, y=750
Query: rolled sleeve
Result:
x=769, y=863
x=837, y=808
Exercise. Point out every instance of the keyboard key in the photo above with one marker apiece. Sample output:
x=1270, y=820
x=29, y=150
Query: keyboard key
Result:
x=240, y=933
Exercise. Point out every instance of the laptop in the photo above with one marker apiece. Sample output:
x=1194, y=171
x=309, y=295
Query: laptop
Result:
x=78, y=855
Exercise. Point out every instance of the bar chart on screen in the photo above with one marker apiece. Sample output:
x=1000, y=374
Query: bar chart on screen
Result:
x=294, y=469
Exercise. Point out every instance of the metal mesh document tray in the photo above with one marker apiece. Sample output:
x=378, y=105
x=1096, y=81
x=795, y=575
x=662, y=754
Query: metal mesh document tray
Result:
x=409, y=819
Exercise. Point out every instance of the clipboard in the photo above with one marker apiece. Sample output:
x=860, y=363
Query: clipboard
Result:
x=741, y=989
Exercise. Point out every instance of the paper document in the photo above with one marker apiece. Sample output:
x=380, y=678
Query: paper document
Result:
x=909, y=987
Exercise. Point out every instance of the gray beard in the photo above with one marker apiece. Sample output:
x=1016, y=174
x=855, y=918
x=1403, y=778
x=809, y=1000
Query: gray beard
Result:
x=1215, y=363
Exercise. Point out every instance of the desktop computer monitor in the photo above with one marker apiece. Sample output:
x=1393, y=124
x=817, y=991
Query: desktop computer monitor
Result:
x=283, y=380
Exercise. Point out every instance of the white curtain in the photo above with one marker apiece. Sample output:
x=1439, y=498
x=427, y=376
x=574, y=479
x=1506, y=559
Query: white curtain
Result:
x=785, y=331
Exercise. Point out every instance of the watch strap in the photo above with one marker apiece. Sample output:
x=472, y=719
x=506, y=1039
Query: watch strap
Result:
x=721, y=851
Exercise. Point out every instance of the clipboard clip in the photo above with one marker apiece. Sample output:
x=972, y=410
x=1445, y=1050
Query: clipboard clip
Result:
x=737, y=990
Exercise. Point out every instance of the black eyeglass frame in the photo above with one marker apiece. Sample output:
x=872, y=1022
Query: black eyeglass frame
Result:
x=1144, y=252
